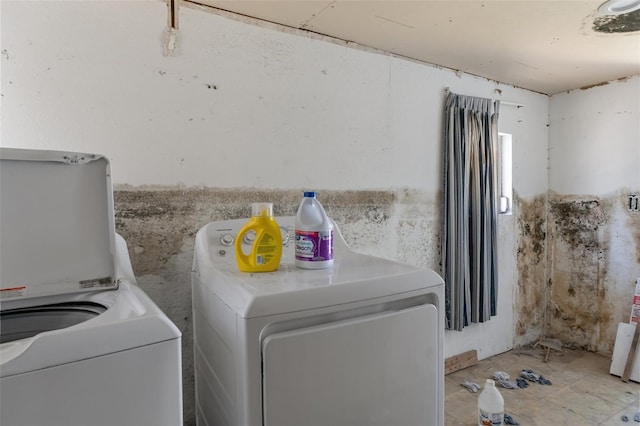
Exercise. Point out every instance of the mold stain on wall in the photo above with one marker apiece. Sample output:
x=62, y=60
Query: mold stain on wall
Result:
x=617, y=24
x=530, y=292
x=157, y=221
x=414, y=229
x=579, y=309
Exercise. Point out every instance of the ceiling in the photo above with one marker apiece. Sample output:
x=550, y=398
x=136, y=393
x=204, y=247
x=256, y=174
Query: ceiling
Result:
x=548, y=46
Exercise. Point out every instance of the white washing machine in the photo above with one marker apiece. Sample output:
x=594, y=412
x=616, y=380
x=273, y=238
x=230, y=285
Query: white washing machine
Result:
x=360, y=343
x=80, y=344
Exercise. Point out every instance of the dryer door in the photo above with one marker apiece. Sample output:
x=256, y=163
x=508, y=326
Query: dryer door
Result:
x=379, y=369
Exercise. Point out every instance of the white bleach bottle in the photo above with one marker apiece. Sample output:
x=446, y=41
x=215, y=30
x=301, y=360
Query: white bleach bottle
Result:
x=490, y=405
x=314, y=234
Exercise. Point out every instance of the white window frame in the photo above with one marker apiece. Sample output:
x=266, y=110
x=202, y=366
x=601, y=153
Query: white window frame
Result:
x=505, y=181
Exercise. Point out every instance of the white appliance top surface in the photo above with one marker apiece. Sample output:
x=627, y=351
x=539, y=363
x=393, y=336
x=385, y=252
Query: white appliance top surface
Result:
x=132, y=320
x=57, y=229
x=353, y=277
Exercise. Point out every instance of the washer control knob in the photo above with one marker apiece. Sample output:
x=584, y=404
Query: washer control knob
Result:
x=226, y=239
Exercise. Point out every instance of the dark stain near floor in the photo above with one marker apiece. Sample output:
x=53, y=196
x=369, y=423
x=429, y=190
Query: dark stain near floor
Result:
x=578, y=308
x=156, y=222
x=531, y=255
x=614, y=24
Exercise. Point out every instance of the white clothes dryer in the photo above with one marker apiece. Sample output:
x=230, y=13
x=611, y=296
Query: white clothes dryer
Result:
x=360, y=343
x=80, y=344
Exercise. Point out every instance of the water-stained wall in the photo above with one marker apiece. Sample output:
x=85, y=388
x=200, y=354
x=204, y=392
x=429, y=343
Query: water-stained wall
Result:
x=578, y=257
x=530, y=291
x=594, y=251
x=403, y=225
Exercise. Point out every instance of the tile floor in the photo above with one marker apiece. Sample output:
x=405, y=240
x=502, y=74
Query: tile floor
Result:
x=583, y=392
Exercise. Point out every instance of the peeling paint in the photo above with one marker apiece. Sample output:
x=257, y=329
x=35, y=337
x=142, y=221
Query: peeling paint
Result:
x=591, y=86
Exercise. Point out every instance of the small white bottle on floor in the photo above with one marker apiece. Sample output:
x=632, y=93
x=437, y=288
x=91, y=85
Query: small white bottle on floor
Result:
x=490, y=405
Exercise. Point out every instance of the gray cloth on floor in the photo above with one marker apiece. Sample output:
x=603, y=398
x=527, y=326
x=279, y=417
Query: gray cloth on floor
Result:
x=471, y=386
x=500, y=375
x=508, y=420
x=503, y=380
x=529, y=375
x=544, y=381
x=508, y=384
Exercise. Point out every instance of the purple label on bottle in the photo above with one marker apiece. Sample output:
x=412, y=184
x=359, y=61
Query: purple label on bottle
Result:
x=314, y=246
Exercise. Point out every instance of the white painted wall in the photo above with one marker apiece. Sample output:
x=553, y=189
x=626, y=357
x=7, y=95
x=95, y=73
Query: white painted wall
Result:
x=594, y=145
x=288, y=110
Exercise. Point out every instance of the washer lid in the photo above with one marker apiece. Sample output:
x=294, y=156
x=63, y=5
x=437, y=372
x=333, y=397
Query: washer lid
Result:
x=57, y=229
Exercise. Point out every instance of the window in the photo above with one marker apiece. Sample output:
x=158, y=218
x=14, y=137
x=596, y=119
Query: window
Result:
x=505, y=186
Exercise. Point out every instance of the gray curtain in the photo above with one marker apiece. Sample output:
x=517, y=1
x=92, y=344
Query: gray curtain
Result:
x=469, y=240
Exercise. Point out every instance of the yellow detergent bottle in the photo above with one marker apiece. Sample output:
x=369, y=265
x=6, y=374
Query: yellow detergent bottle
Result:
x=259, y=242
